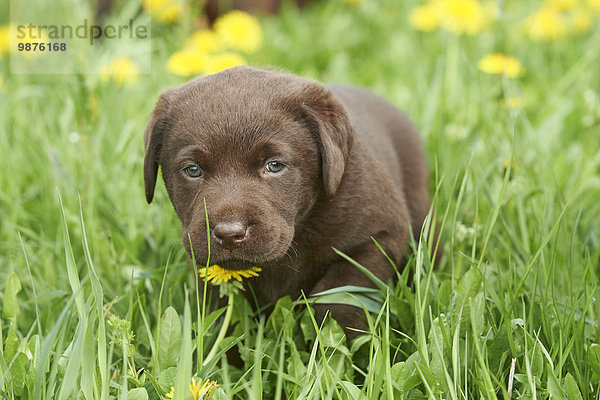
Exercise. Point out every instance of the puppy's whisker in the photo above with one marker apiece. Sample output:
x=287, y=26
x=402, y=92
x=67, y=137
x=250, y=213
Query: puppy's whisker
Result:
x=294, y=249
x=289, y=266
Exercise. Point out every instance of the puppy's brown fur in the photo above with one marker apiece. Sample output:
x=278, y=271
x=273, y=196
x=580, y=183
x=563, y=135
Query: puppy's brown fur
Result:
x=354, y=168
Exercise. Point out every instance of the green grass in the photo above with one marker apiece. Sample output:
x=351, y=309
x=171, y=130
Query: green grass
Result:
x=100, y=302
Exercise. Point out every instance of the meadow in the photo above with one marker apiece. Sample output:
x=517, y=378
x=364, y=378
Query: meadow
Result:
x=99, y=299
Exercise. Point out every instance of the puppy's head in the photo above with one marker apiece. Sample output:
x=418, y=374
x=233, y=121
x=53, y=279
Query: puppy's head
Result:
x=256, y=149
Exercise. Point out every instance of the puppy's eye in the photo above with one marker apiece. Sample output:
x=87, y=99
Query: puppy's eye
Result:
x=193, y=171
x=274, y=166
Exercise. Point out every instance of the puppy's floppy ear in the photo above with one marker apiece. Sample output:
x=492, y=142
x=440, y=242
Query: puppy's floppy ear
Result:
x=330, y=124
x=153, y=137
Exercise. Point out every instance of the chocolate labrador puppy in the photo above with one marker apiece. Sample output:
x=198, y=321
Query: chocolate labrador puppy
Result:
x=289, y=169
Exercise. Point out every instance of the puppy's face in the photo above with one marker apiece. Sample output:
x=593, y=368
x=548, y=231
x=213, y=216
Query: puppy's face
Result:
x=258, y=175
x=246, y=146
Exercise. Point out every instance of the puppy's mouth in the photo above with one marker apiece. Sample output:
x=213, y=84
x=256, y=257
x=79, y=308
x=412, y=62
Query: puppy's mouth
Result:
x=236, y=264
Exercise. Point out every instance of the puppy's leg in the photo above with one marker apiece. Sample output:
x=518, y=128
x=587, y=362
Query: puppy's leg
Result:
x=343, y=273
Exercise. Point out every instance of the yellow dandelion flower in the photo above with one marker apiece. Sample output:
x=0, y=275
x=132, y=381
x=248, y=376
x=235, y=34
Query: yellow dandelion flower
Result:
x=508, y=164
x=205, y=389
x=186, y=62
x=512, y=102
x=500, y=64
x=217, y=274
x=203, y=41
x=594, y=5
x=580, y=20
x=351, y=2
x=4, y=39
x=165, y=11
x=425, y=18
x=561, y=5
x=464, y=16
x=122, y=70
x=546, y=24
x=222, y=61
x=240, y=31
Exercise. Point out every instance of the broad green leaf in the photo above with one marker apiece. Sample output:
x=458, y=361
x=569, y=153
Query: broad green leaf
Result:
x=18, y=371
x=497, y=349
x=359, y=342
x=295, y=366
x=537, y=361
x=477, y=313
x=412, y=382
x=571, y=388
x=437, y=369
x=169, y=339
x=332, y=335
x=400, y=373
x=351, y=392
x=219, y=394
x=349, y=289
x=10, y=308
x=137, y=394
x=355, y=300
x=594, y=358
x=413, y=359
x=444, y=297
x=281, y=314
x=31, y=372
x=553, y=386
x=12, y=342
x=518, y=336
x=429, y=379
x=166, y=378
x=307, y=327
x=468, y=286
x=416, y=395
x=404, y=312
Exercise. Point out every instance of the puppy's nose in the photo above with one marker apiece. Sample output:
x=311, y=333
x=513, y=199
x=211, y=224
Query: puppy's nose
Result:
x=230, y=233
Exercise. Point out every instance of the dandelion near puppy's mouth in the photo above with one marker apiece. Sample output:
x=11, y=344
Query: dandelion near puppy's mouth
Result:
x=216, y=274
x=198, y=388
